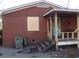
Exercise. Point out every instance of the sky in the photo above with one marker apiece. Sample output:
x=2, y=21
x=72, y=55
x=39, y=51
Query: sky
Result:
x=4, y=4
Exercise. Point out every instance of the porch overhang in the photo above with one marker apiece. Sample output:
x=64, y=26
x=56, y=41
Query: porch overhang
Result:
x=62, y=10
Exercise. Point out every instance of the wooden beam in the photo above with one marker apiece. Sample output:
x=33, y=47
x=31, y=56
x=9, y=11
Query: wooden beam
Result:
x=48, y=33
x=50, y=27
x=78, y=29
x=56, y=28
x=78, y=25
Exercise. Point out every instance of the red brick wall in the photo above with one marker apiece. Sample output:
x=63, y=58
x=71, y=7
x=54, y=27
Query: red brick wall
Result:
x=15, y=23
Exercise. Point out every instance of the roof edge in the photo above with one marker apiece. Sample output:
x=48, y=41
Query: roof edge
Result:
x=16, y=8
x=64, y=10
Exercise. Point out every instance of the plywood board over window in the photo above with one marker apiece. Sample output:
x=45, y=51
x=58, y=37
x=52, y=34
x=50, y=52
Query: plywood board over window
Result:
x=32, y=23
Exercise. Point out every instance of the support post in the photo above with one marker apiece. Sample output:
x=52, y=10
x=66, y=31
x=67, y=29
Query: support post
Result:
x=78, y=28
x=56, y=29
x=67, y=35
x=48, y=30
x=50, y=27
x=72, y=35
x=62, y=35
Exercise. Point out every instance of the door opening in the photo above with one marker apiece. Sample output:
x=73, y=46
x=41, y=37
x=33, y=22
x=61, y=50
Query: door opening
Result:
x=0, y=37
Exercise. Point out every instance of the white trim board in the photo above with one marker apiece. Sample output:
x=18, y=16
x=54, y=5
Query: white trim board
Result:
x=67, y=42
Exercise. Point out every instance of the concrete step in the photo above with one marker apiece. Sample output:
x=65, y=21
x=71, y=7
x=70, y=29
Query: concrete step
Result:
x=44, y=46
x=40, y=48
x=49, y=40
x=47, y=43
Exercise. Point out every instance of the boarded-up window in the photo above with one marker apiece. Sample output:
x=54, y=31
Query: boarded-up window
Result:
x=32, y=23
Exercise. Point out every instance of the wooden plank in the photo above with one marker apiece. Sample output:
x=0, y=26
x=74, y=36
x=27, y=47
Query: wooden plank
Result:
x=32, y=23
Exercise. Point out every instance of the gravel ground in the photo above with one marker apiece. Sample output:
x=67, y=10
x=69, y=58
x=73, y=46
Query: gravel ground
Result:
x=51, y=53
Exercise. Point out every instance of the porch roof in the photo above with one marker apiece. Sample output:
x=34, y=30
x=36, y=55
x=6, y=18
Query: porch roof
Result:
x=61, y=10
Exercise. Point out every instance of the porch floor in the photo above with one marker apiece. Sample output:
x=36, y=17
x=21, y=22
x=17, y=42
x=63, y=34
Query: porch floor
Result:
x=68, y=42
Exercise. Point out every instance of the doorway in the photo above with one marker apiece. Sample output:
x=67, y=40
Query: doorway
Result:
x=0, y=37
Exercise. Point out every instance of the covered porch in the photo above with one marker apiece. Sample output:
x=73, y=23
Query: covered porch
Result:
x=63, y=27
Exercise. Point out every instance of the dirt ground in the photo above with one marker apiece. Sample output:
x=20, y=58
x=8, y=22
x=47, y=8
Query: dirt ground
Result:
x=62, y=52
